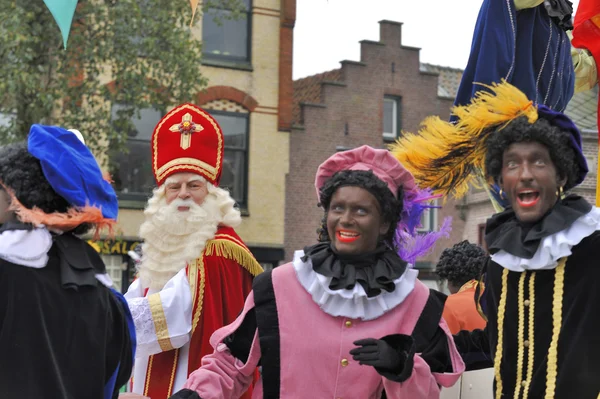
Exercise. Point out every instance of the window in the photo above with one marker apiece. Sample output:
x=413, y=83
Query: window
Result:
x=234, y=176
x=429, y=219
x=481, y=236
x=132, y=170
x=225, y=36
x=391, y=118
x=114, y=268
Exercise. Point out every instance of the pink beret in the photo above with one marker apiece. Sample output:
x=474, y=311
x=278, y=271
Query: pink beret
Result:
x=381, y=162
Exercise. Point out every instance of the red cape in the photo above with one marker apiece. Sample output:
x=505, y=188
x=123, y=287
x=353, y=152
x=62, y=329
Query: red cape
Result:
x=220, y=280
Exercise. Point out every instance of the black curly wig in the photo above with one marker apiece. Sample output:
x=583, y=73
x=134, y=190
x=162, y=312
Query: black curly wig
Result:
x=391, y=207
x=520, y=130
x=461, y=263
x=22, y=173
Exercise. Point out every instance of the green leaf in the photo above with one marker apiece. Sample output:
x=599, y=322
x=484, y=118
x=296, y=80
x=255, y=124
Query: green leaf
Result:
x=144, y=46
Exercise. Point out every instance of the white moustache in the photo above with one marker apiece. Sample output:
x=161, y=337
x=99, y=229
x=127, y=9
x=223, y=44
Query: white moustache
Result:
x=177, y=202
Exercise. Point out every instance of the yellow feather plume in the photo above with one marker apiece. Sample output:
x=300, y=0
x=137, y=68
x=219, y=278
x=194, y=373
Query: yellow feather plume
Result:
x=447, y=157
x=503, y=103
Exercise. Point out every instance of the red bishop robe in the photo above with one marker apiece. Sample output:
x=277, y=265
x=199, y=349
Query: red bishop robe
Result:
x=174, y=324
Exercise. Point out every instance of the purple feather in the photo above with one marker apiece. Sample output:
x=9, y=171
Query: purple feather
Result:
x=411, y=247
x=411, y=244
x=413, y=209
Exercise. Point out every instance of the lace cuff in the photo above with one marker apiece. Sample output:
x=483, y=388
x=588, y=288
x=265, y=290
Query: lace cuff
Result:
x=144, y=326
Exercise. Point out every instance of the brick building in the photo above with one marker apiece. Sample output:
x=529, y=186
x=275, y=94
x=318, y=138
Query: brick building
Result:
x=365, y=102
x=248, y=64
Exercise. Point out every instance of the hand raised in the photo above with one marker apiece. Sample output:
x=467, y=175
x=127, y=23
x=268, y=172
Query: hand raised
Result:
x=376, y=353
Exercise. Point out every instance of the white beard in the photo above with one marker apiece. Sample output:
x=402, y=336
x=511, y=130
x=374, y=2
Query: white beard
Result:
x=173, y=238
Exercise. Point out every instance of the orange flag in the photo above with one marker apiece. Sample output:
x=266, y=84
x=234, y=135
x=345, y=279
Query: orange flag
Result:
x=194, y=4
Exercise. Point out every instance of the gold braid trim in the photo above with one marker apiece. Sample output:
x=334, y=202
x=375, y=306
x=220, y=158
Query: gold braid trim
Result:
x=160, y=322
x=200, y=265
x=552, y=371
x=233, y=251
x=521, y=334
x=501, y=311
x=148, y=372
x=173, y=370
x=478, y=294
x=530, y=337
x=192, y=276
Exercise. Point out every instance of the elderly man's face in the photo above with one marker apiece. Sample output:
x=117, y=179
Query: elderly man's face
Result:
x=186, y=186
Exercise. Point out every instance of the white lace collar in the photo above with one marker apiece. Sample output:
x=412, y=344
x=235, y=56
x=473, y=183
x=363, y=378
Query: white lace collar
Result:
x=352, y=303
x=553, y=247
x=26, y=247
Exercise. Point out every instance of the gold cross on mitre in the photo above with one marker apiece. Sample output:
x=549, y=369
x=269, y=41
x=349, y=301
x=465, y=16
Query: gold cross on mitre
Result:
x=186, y=127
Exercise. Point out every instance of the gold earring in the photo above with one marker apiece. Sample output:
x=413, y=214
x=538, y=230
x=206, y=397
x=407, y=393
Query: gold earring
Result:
x=559, y=192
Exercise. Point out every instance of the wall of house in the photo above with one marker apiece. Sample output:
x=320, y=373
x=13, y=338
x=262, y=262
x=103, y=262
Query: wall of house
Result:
x=268, y=146
x=259, y=88
x=350, y=114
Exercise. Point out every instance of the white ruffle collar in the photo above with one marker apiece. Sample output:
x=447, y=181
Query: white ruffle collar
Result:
x=26, y=247
x=553, y=247
x=352, y=303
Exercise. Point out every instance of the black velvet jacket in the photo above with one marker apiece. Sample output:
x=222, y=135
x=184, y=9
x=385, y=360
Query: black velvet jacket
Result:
x=538, y=319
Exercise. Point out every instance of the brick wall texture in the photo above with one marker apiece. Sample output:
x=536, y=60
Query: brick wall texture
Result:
x=344, y=108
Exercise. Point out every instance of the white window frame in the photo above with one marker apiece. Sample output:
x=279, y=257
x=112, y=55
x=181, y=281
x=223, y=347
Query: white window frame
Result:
x=222, y=55
x=430, y=219
x=114, y=268
x=394, y=134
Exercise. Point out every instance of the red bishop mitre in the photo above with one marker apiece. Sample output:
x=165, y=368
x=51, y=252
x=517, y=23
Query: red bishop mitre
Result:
x=187, y=139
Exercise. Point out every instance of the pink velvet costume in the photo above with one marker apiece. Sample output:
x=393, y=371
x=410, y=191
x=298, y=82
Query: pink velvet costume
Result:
x=312, y=327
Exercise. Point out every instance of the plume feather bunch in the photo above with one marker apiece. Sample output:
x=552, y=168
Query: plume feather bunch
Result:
x=66, y=221
x=448, y=157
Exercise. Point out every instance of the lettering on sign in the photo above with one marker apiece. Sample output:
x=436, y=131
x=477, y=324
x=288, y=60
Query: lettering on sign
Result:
x=114, y=247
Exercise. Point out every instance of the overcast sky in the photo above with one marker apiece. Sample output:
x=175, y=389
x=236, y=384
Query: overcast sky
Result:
x=328, y=31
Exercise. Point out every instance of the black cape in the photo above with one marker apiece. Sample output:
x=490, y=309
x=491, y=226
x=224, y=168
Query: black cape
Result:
x=62, y=336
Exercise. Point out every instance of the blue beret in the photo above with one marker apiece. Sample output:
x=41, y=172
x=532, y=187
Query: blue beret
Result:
x=71, y=169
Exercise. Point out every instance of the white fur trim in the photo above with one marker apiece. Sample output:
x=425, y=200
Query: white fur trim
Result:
x=26, y=247
x=553, y=247
x=352, y=303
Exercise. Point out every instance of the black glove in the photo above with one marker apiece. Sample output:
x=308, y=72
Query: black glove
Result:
x=376, y=353
x=392, y=356
x=185, y=394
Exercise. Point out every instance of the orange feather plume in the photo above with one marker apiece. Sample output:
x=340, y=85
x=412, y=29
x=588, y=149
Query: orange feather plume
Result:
x=67, y=221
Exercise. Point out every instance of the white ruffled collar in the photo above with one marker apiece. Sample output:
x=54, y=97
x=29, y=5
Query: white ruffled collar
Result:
x=30, y=248
x=352, y=303
x=26, y=247
x=553, y=247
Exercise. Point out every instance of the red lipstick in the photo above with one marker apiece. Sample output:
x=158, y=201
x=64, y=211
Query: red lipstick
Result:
x=527, y=198
x=346, y=236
